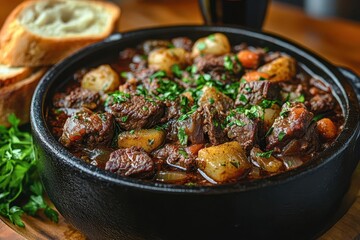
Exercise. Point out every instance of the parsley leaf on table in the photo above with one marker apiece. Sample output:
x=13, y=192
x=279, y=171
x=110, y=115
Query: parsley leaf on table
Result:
x=19, y=180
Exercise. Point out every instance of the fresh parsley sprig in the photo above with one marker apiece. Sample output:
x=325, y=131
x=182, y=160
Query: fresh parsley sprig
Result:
x=19, y=180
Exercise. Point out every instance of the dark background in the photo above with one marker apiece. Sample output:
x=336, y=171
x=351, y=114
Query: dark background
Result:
x=347, y=9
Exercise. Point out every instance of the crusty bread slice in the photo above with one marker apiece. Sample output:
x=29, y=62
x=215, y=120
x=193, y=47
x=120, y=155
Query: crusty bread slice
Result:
x=43, y=32
x=11, y=75
x=16, y=98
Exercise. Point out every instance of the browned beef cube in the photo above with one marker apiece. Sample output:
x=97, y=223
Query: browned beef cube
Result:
x=77, y=98
x=255, y=92
x=191, y=128
x=176, y=155
x=135, y=112
x=243, y=129
x=213, y=125
x=220, y=68
x=293, y=123
x=132, y=161
x=183, y=42
x=87, y=128
x=305, y=145
x=321, y=101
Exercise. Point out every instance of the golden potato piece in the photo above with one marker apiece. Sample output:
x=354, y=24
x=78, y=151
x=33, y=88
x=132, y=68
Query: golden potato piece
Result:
x=223, y=162
x=216, y=44
x=265, y=160
x=218, y=99
x=101, y=79
x=148, y=139
x=281, y=69
x=165, y=58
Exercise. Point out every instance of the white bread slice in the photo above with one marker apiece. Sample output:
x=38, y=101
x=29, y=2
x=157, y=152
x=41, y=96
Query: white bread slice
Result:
x=11, y=75
x=43, y=32
x=16, y=98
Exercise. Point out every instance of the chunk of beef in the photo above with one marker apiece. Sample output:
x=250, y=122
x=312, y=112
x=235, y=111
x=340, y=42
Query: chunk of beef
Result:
x=173, y=110
x=135, y=112
x=150, y=45
x=77, y=98
x=132, y=161
x=243, y=129
x=192, y=126
x=257, y=91
x=305, y=145
x=213, y=125
x=183, y=42
x=220, y=68
x=293, y=123
x=176, y=156
x=87, y=128
x=321, y=101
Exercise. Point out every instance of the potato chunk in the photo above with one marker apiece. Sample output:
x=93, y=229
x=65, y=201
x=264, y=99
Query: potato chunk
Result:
x=164, y=58
x=223, y=162
x=101, y=79
x=281, y=69
x=265, y=160
x=148, y=139
x=216, y=44
x=218, y=99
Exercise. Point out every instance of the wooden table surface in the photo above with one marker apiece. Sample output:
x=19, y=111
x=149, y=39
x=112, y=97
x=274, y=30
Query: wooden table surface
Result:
x=335, y=39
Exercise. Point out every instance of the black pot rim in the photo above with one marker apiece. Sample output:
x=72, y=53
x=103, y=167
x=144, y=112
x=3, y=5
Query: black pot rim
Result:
x=43, y=135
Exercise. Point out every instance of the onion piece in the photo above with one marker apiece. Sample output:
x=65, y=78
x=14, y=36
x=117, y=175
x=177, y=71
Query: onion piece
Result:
x=171, y=176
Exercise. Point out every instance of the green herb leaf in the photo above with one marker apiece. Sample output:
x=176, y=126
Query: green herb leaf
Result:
x=300, y=99
x=265, y=154
x=281, y=136
x=201, y=46
x=18, y=175
x=183, y=138
x=228, y=63
x=176, y=70
x=211, y=37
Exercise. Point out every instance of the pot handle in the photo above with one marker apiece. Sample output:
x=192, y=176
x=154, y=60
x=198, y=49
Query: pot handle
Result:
x=355, y=81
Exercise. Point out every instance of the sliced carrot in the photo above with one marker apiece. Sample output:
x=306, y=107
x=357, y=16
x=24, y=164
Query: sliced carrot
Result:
x=248, y=58
x=194, y=149
x=326, y=128
x=255, y=76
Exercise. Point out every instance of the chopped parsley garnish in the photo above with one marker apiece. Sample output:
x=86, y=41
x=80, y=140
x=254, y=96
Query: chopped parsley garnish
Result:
x=124, y=74
x=145, y=108
x=183, y=153
x=184, y=103
x=132, y=131
x=158, y=74
x=243, y=80
x=253, y=112
x=170, y=45
x=187, y=115
x=249, y=89
x=237, y=122
x=19, y=178
x=117, y=97
x=151, y=141
x=243, y=98
x=269, y=131
x=265, y=154
x=168, y=89
x=201, y=46
x=269, y=103
x=228, y=63
x=141, y=90
x=318, y=117
x=211, y=37
x=300, y=99
x=176, y=70
x=231, y=90
x=182, y=136
x=281, y=135
x=124, y=119
x=211, y=101
x=235, y=164
x=284, y=112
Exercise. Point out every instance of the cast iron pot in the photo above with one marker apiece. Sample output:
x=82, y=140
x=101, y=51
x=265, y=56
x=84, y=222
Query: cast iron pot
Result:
x=297, y=204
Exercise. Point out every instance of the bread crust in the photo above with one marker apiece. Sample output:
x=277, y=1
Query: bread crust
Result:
x=14, y=76
x=16, y=98
x=20, y=47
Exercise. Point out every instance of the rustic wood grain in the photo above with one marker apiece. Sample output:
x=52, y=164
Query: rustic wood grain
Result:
x=334, y=39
